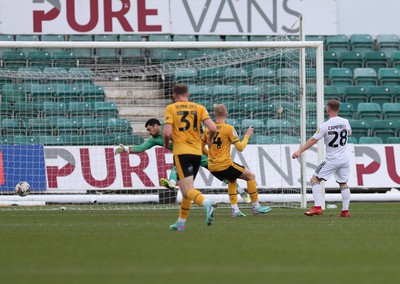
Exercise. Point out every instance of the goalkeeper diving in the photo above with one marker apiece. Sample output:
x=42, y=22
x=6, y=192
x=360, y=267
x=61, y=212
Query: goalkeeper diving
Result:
x=155, y=130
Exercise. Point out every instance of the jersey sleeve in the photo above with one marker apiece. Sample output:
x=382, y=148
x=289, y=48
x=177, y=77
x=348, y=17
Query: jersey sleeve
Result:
x=320, y=133
x=169, y=118
x=151, y=142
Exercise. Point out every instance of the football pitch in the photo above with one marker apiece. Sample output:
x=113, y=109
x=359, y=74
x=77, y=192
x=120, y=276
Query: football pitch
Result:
x=136, y=246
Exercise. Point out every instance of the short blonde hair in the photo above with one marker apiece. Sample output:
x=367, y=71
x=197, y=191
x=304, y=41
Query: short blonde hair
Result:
x=220, y=110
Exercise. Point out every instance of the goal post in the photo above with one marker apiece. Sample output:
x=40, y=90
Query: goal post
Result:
x=73, y=117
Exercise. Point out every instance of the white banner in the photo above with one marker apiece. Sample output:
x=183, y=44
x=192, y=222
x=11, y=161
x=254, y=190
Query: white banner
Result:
x=97, y=168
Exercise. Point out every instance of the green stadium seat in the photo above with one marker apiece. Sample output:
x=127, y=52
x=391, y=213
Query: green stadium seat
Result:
x=40, y=126
x=50, y=140
x=12, y=93
x=4, y=37
x=209, y=38
x=158, y=55
x=29, y=75
x=65, y=59
x=6, y=110
x=347, y=110
x=200, y=92
x=351, y=60
x=376, y=60
x=26, y=140
x=68, y=126
x=383, y=129
x=92, y=93
x=331, y=60
x=380, y=95
x=278, y=127
x=81, y=76
x=79, y=109
x=222, y=92
x=26, y=38
x=261, y=38
x=84, y=55
x=287, y=139
x=389, y=77
x=395, y=59
x=355, y=95
x=13, y=59
x=393, y=140
x=214, y=75
x=106, y=55
x=396, y=94
x=55, y=75
x=185, y=75
x=6, y=140
x=267, y=139
x=249, y=92
x=105, y=109
x=52, y=37
x=236, y=38
x=241, y=109
x=40, y=59
x=234, y=122
x=94, y=125
x=337, y=43
x=189, y=38
x=13, y=126
x=287, y=75
x=119, y=125
x=28, y=109
x=341, y=78
x=262, y=76
x=362, y=43
x=235, y=76
x=369, y=111
x=42, y=92
x=359, y=128
x=67, y=93
x=126, y=139
x=131, y=55
x=101, y=139
x=51, y=108
x=370, y=140
x=257, y=124
x=391, y=111
x=332, y=92
x=387, y=43
x=352, y=140
x=365, y=77
x=75, y=140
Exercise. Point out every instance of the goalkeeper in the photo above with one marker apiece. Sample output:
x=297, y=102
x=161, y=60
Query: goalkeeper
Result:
x=155, y=130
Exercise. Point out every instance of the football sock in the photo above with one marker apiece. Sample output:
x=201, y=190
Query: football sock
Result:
x=317, y=194
x=196, y=196
x=232, y=193
x=235, y=207
x=239, y=189
x=172, y=175
x=345, y=191
x=184, y=210
x=252, y=190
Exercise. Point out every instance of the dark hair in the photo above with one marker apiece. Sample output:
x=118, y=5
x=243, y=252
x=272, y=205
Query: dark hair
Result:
x=152, y=122
x=180, y=89
x=333, y=104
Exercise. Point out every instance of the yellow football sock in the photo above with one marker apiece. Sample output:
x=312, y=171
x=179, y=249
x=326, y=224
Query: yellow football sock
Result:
x=232, y=193
x=196, y=196
x=185, y=207
x=252, y=189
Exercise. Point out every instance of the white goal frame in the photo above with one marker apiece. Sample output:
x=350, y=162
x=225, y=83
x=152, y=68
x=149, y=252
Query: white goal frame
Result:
x=317, y=45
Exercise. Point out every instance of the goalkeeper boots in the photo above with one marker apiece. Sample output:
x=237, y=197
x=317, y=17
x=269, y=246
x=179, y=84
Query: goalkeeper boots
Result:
x=344, y=214
x=210, y=207
x=170, y=184
x=237, y=214
x=178, y=226
x=246, y=197
x=315, y=210
x=261, y=210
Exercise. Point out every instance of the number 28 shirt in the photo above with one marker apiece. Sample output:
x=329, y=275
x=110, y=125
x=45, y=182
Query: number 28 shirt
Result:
x=335, y=132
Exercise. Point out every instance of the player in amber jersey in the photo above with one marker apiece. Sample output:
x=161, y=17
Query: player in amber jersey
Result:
x=220, y=163
x=335, y=131
x=183, y=124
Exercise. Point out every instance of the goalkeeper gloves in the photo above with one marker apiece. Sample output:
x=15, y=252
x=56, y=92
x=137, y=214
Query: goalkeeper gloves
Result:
x=121, y=149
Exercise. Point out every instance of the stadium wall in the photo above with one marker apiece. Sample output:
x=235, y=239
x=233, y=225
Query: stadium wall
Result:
x=72, y=170
x=321, y=17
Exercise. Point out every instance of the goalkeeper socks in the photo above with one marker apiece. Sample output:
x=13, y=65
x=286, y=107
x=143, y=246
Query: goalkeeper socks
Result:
x=345, y=191
x=252, y=189
x=317, y=194
x=184, y=210
x=196, y=196
x=232, y=193
x=172, y=175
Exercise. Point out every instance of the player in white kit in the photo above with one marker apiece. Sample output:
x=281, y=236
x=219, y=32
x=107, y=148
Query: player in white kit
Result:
x=335, y=131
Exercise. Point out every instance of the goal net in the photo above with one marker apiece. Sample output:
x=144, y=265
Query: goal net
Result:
x=64, y=113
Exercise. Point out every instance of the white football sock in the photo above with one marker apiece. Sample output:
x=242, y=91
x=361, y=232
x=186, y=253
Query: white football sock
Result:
x=317, y=194
x=345, y=191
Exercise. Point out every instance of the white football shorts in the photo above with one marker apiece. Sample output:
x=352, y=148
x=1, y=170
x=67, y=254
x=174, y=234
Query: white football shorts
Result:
x=340, y=170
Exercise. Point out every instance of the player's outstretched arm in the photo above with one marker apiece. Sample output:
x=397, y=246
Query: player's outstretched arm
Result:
x=240, y=145
x=306, y=146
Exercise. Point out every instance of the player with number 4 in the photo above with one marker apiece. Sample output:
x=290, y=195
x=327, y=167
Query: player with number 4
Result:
x=335, y=131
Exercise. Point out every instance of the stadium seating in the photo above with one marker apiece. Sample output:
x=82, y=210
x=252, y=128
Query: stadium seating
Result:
x=13, y=126
x=347, y=110
x=391, y=111
x=365, y=77
x=355, y=95
x=387, y=43
x=389, y=77
x=119, y=125
x=383, y=129
x=200, y=92
x=351, y=60
x=131, y=55
x=249, y=92
x=12, y=93
x=40, y=126
x=332, y=92
x=79, y=109
x=50, y=140
x=337, y=43
x=376, y=60
x=341, y=78
x=65, y=59
x=380, y=95
x=185, y=75
x=106, y=55
x=223, y=92
x=362, y=43
x=235, y=76
x=94, y=125
x=22, y=139
x=54, y=109
x=359, y=127
x=370, y=140
x=13, y=59
x=267, y=139
x=67, y=93
x=393, y=140
x=395, y=59
x=369, y=111
x=331, y=60
x=84, y=55
x=28, y=109
x=53, y=37
x=39, y=58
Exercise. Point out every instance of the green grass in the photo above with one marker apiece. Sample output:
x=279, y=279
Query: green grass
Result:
x=132, y=246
